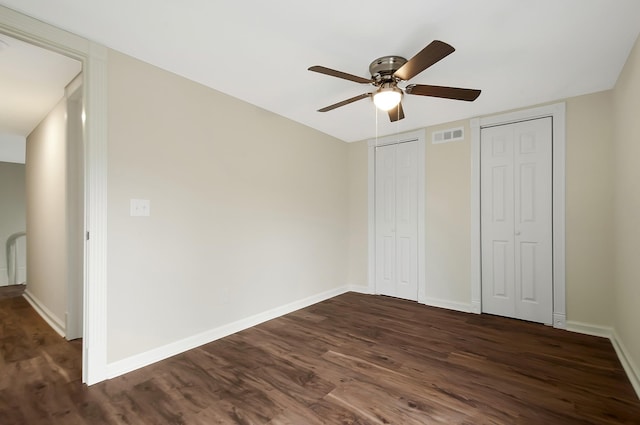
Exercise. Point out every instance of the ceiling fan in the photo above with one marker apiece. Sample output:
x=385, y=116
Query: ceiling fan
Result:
x=388, y=71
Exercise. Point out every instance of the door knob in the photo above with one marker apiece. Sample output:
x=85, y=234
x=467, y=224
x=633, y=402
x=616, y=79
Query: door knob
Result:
x=518, y=233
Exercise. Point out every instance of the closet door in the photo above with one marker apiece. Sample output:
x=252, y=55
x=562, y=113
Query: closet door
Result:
x=397, y=220
x=516, y=220
x=497, y=221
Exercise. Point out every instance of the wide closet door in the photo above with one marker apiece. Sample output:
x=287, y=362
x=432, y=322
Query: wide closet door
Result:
x=396, y=217
x=516, y=220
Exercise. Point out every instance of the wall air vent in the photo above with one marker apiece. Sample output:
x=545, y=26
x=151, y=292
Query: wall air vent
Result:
x=446, y=136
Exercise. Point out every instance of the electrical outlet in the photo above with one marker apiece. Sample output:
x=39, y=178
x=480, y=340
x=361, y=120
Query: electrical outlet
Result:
x=140, y=208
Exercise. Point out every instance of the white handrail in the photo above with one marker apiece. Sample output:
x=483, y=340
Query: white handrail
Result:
x=12, y=266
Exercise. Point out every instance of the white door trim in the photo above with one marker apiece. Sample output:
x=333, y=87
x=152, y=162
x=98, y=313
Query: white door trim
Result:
x=94, y=65
x=557, y=114
x=418, y=136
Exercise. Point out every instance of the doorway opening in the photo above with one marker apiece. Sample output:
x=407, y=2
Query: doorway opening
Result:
x=94, y=82
x=42, y=102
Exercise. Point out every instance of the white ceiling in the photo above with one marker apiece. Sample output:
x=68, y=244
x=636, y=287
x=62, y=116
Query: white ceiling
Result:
x=32, y=81
x=519, y=53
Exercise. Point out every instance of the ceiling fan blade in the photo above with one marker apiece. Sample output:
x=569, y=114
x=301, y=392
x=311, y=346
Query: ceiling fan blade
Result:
x=431, y=54
x=445, y=92
x=345, y=102
x=397, y=113
x=339, y=74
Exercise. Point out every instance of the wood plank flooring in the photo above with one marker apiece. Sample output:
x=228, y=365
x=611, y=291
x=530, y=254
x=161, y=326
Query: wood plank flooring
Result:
x=11, y=291
x=353, y=359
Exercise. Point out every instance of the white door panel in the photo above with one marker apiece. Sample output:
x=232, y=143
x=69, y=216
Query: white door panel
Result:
x=385, y=220
x=497, y=224
x=516, y=220
x=396, y=220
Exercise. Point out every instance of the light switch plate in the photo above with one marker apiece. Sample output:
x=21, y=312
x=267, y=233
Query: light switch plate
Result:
x=140, y=208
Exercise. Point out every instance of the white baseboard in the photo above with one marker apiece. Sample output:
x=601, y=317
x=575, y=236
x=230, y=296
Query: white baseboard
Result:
x=632, y=371
x=137, y=361
x=152, y=356
x=45, y=313
x=589, y=329
x=627, y=363
x=559, y=320
x=476, y=307
x=433, y=302
x=361, y=289
x=451, y=305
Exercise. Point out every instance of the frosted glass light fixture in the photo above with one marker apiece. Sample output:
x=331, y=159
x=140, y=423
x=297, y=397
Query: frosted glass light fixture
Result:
x=387, y=97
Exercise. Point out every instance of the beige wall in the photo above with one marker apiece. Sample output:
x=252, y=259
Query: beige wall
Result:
x=249, y=210
x=448, y=218
x=12, y=148
x=448, y=212
x=589, y=212
x=13, y=215
x=46, y=213
x=358, y=218
x=626, y=104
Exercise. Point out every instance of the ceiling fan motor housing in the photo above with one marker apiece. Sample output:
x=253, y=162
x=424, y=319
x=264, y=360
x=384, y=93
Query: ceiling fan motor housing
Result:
x=382, y=69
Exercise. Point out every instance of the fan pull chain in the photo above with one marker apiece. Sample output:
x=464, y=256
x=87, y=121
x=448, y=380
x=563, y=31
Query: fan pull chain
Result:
x=376, y=113
x=398, y=127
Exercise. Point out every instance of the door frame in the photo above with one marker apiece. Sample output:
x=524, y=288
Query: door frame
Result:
x=94, y=78
x=414, y=136
x=557, y=114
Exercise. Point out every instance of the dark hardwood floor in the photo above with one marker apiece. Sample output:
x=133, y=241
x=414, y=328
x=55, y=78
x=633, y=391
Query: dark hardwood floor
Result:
x=11, y=291
x=354, y=359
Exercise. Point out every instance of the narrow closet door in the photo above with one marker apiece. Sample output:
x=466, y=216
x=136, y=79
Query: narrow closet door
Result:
x=396, y=220
x=533, y=212
x=497, y=228
x=516, y=220
x=385, y=194
x=407, y=221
